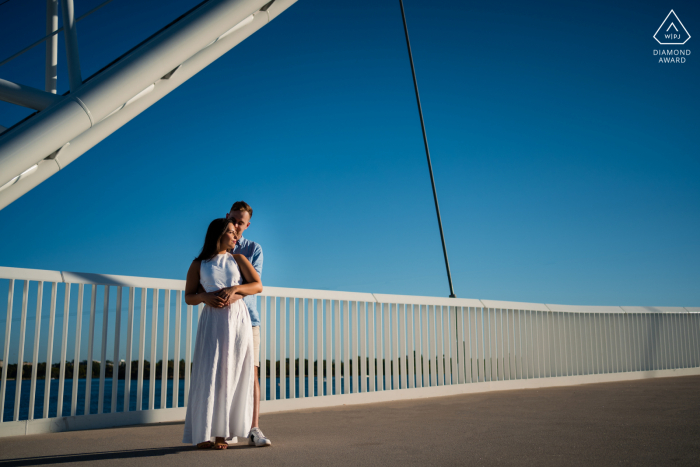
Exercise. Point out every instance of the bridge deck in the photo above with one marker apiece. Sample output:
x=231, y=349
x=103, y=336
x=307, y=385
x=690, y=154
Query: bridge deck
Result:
x=649, y=422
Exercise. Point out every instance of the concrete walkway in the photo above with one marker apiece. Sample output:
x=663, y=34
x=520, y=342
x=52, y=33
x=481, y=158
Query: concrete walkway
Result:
x=651, y=422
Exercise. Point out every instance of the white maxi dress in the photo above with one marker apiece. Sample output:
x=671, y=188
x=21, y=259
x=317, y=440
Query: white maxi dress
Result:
x=221, y=386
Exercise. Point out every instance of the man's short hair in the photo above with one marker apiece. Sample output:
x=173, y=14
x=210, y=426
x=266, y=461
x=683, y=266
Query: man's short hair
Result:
x=242, y=206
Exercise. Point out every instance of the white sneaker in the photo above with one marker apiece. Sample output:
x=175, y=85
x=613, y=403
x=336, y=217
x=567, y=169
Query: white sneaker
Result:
x=257, y=438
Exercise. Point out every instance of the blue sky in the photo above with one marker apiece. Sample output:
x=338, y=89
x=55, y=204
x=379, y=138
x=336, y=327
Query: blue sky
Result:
x=565, y=156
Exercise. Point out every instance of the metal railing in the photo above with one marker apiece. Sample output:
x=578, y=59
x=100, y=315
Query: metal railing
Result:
x=314, y=344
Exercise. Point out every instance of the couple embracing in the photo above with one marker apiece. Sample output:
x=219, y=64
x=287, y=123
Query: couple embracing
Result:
x=224, y=400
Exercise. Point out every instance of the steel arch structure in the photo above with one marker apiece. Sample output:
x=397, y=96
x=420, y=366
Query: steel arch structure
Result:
x=67, y=126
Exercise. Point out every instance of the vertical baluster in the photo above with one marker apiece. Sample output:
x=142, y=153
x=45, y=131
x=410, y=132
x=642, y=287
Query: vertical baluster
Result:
x=533, y=350
x=336, y=339
x=595, y=343
x=672, y=340
x=695, y=325
x=411, y=345
x=583, y=343
x=401, y=347
x=638, y=337
x=49, y=349
x=76, y=355
x=607, y=342
x=482, y=324
x=542, y=344
x=371, y=331
x=129, y=344
x=302, y=348
x=188, y=353
x=615, y=342
x=310, y=347
x=624, y=342
x=115, y=358
x=536, y=343
x=506, y=336
x=355, y=350
x=559, y=344
x=554, y=343
x=273, y=348
x=397, y=372
x=91, y=341
x=318, y=306
x=452, y=337
x=497, y=344
x=363, y=346
x=35, y=354
x=490, y=356
x=440, y=344
x=681, y=341
x=659, y=342
x=511, y=342
x=176, y=349
x=527, y=344
x=389, y=335
x=332, y=358
x=142, y=348
x=346, y=348
x=292, y=348
x=462, y=370
x=548, y=343
x=565, y=343
x=6, y=350
x=430, y=358
x=262, y=370
x=166, y=339
x=475, y=340
x=379, y=316
x=425, y=359
x=64, y=344
x=103, y=353
x=154, y=342
x=283, y=348
x=573, y=334
x=20, y=356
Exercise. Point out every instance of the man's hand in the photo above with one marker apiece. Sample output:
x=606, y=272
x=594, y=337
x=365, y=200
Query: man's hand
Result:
x=234, y=298
x=213, y=300
x=229, y=295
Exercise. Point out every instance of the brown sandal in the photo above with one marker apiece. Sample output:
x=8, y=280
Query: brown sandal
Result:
x=205, y=445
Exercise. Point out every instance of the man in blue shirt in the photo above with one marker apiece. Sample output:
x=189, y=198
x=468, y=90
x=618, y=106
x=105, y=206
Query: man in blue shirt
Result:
x=240, y=215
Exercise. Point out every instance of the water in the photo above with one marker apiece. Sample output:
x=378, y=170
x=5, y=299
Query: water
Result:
x=326, y=387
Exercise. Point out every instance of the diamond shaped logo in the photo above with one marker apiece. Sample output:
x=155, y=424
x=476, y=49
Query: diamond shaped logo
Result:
x=672, y=31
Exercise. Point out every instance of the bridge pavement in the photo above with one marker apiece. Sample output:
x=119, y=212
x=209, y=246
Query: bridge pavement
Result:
x=649, y=422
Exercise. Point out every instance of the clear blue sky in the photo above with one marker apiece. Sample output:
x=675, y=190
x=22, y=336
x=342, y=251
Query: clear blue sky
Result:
x=566, y=157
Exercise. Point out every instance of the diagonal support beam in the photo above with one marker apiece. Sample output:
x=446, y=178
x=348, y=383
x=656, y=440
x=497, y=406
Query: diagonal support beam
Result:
x=70, y=32
x=26, y=96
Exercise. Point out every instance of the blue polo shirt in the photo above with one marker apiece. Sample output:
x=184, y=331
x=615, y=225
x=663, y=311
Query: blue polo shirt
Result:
x=252, y=251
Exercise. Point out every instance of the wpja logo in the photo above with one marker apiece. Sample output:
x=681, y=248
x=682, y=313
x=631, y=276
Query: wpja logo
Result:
x=672, y=32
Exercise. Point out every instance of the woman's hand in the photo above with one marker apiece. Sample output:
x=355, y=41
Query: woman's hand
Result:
x=229, y=295
x=213, y=300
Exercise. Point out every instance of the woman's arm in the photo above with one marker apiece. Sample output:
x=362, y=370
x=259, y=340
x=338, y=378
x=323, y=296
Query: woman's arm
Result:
x=191, y=295
x=253, y=284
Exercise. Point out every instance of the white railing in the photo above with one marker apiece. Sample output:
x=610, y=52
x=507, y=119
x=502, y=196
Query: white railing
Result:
x=320, y=347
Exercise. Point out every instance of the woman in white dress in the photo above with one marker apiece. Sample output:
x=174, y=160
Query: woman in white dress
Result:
x=221, y=387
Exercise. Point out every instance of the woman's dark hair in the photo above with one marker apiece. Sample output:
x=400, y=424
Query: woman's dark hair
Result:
x=216, y=230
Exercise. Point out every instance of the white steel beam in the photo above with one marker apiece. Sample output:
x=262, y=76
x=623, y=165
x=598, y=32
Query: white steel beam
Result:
x=50, y=80
x=100, y=107
x=70, y=33
x=26, y=96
